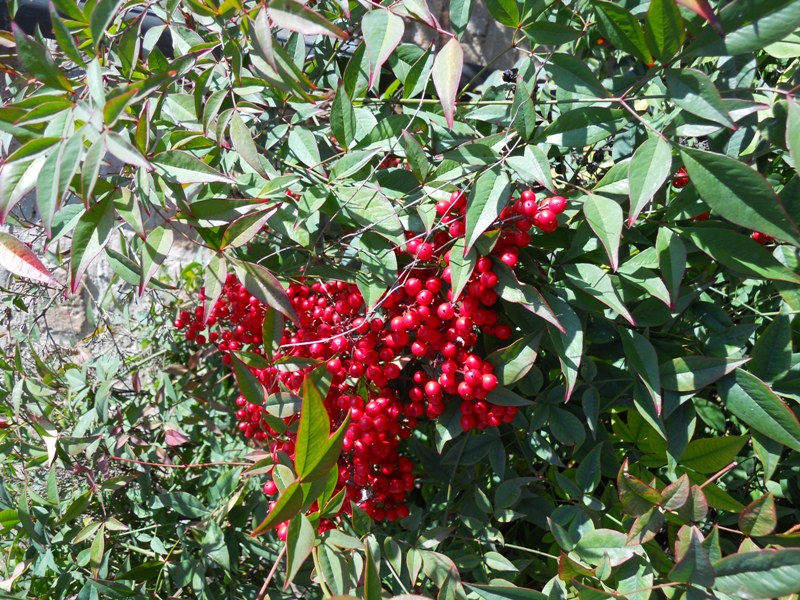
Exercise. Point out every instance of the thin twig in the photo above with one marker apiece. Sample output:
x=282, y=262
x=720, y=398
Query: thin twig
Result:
x=262, y=593
x=188, y=466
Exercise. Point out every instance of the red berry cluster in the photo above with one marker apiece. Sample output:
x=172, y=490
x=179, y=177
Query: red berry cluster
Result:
x=390, y=368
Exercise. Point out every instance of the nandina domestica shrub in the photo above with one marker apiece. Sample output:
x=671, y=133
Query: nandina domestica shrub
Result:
x=450, y=320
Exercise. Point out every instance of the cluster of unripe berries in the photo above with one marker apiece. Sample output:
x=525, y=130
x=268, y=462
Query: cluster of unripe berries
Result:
x=391, y=368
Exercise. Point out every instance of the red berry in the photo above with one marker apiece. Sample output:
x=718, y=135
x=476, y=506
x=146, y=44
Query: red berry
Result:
x=681, y=179
x=557, y=204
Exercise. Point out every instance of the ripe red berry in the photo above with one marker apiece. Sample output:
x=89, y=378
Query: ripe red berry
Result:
x=557, y=204
x=528, y=196
x=681, y=179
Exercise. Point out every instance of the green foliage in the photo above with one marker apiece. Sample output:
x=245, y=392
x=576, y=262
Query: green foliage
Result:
x=655, y=357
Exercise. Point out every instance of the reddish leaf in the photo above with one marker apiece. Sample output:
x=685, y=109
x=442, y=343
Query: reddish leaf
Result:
x=703, y=8
x=175, y=437
x=446, y=74
x=20, y=260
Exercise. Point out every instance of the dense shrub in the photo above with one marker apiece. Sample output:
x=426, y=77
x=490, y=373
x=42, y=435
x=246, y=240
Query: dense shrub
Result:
x=529, y=335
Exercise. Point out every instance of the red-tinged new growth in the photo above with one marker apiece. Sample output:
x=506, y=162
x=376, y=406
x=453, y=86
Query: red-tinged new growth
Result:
x=390, y=369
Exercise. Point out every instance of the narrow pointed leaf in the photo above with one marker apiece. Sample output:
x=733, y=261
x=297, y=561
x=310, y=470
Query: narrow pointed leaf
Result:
x=756, y=405
x=605, y=218
x=92, y=233
x=447, y=67
x=294, y=16
x=647, y=172
x=739, y=194
x=20, y=260
x=382, y=31
x=264, y=286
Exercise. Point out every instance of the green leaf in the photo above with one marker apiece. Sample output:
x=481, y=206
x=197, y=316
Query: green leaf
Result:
x=757, y=406
x=568, y=342
x=672, y=262
x=694, y=566
x=599, y=543
x=286, y=507
x=695, y=93
x=460, y=11
x=249, y=385
x=37, y=61
x=595, y=282
x=636, y=496
x=185, y=504
x=293, y=16
x=771, y=356
x=605, y=218
x=709, y=455
x=263, y=285
x=272, y=332
x=372, y=579
x=573, y=75
x=759, y=518
x=647, y=172
x=213, y=282
x=504, y=11
x=497, y=591
x=244, y=145
x=461, y=266
x=145, y=571
x=748, y=25
x=584, y=126
x=89, y=238
x=415, y=154
x=690, y=373
x=533, y=166
x=91, y=167
x=645, y=527
x=513, y=362
x=523, y=116
x=369, y=208
x=103, y=14
x=642, y=357
x=331, y=450
x=504, y=397
x=382, y=31
x=622, y=29
x=739, y=253
x=664, y=30
x=763, y=574
x=185, y=168
x=299, y=544
x=303, y=145
x=739, y=194
x=676, y=494
x=510, y=289
x=314, y=429
x=343, y=119
x=64, y=37
x=488, y=197
x=793, y=132
x=97, y=551
x=154, y=252
x=446, y=73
